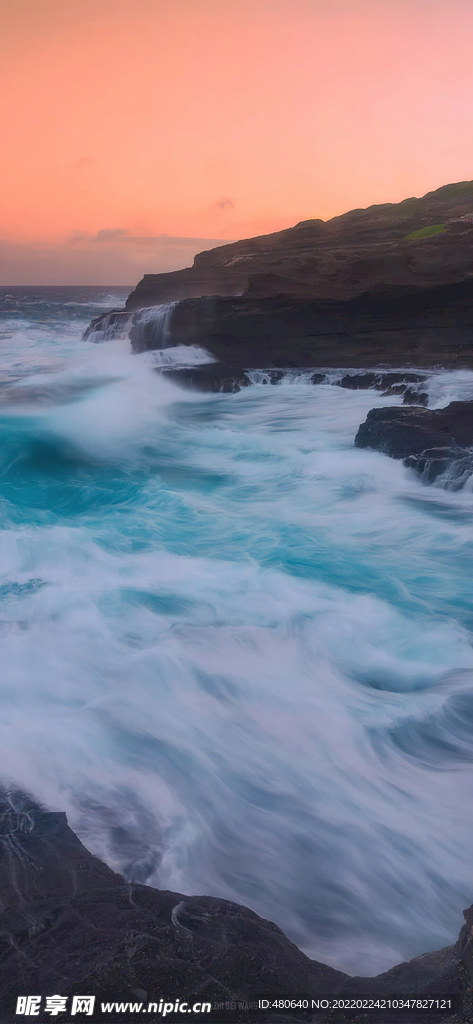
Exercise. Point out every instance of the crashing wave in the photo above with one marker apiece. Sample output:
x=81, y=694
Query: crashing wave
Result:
x=152, y=327
x=108, y=327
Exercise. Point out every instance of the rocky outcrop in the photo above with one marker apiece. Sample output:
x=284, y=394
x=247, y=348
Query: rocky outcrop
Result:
x=383, y=246
x=405, y=327
x=403, y=432
x=71, y=926
x=226, y=377
x=426, y=327
x=108, y=326
x=389, y=285
x=432, y=441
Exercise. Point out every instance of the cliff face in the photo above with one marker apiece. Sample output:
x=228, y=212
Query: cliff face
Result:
x=419, y=327
x=362, y=250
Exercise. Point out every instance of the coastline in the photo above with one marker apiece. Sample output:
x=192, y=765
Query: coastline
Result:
x=70, y=924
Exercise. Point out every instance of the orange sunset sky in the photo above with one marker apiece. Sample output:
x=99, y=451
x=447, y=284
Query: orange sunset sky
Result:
x=136, y=133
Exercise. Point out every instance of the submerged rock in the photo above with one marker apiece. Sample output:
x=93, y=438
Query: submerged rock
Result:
x=455, y=465
x=388, y=382
x=415, y=397
x=208, y=377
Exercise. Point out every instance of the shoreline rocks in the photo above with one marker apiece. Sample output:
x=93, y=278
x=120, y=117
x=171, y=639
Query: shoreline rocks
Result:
x=414, y=328
x=430, y=327
x=432, y=441
x=70, y=925
x=224, y=377
x=402, y=432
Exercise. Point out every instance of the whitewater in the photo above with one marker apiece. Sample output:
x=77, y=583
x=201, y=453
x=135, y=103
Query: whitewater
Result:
x=236, y=650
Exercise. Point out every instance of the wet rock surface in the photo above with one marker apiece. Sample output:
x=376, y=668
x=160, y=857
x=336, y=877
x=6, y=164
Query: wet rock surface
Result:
x=403, y=432
x=224, y=377
x=423, y=327
x=70, y=925
x=208, y=377
x=455, y=465
x=386, y=382
x=108, y=326
x=432, y=441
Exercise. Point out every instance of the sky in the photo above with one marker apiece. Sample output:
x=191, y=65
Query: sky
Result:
x=136, y=133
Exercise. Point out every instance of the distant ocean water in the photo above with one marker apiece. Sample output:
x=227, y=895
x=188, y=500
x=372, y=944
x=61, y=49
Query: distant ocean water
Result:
x=235, y=649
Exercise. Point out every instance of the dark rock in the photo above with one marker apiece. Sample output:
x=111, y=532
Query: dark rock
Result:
x=431, y=441
x=418, y=327
x=192, y=282
x=107, y=326
x=394, y=382
x=455, y=463
x=357, y=381
x=402, y=432
x=208, y=377
x=225, y=378
x=72, y=926
x=413, y=397
x=425, y=328
x=395, y=389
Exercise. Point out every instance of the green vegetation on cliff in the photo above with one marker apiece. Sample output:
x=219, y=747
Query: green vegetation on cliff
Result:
x=433, y=229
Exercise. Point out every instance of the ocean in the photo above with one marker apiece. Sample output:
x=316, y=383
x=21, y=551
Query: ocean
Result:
x=236, y=650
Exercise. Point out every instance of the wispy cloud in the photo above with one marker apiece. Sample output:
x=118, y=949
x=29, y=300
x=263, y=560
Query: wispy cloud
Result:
x=122, y=235
x=110, y=235
x=80, y=260
x=223, y=202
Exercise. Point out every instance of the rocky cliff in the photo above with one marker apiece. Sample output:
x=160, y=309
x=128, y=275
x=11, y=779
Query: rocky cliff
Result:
x=388, y=286
x=415, y=327
x=419, y=243
x=71, y=926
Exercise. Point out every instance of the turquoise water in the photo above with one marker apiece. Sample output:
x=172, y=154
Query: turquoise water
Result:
x=236, y=650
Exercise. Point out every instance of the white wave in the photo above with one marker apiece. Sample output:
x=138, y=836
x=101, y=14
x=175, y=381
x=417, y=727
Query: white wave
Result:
x=180, y=356
x=445, y=386
x=109, y=302
x=243, y=646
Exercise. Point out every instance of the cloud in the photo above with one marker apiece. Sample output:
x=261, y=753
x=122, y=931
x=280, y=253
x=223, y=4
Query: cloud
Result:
x=169, y=241
x=79, y=260
x=122, y=235
x=225, y=201
x=110, y=234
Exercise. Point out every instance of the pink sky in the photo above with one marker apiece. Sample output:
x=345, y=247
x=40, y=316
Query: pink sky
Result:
x=124, y=121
